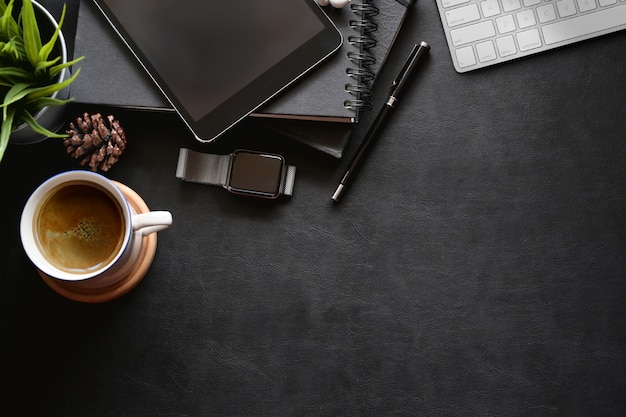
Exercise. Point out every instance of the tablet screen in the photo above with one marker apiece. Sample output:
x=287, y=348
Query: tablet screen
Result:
x=217, y=61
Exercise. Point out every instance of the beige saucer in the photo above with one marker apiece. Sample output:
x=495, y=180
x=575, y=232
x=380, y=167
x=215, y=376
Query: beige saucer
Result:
x=134, y=277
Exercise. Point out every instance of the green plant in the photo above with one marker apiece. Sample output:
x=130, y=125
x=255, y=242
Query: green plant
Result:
x=29, y=70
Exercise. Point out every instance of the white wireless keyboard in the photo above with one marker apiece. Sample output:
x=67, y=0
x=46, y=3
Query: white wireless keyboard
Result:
x=481, y=33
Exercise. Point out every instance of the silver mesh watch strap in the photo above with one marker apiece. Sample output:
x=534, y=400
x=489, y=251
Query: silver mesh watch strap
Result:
x=212, y=169
x=202, y=168
x=290, y=177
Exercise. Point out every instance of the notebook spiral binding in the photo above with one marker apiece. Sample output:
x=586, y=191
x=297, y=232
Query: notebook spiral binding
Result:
x=363, y=40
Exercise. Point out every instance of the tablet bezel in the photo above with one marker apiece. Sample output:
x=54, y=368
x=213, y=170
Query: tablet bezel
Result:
x=251, y=96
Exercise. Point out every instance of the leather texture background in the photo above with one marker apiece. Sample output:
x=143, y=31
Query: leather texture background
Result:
x=476, y=267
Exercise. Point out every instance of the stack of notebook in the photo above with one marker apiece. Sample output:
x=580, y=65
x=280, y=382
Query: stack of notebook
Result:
x=320, y=110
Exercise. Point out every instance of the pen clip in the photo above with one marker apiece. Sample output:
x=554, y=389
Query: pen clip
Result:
x=408, y=66
x=404, y=69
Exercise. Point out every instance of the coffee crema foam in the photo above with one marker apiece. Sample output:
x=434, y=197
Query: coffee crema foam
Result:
x=80, y=227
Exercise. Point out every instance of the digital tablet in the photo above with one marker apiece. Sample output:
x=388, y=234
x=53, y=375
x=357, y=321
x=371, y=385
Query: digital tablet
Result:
x=217, y=61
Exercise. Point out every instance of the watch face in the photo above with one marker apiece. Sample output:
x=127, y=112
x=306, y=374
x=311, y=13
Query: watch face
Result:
x=257, y=174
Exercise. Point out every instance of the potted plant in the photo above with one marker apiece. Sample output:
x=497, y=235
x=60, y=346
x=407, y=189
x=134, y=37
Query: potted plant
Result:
x=34, y=73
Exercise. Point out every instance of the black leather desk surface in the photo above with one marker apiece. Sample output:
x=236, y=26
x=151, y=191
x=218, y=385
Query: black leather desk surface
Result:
x=476, y=267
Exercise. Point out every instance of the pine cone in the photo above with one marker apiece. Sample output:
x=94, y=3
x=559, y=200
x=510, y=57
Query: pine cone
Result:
x=95, y=141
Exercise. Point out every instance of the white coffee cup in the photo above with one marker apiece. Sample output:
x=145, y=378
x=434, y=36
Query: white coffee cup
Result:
x=78, y=227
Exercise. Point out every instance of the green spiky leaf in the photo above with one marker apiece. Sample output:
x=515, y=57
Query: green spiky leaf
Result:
x=5, y=130
x=30, y=32
x=16, y=93
x=46, y=49
x=49, y=101
x=8, y=25
x=35, y=126
x=56, y=70
x=12, y=73
x=48, y=90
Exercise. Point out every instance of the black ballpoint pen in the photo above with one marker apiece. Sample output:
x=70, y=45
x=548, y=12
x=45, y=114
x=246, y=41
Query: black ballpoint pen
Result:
x=381, y=117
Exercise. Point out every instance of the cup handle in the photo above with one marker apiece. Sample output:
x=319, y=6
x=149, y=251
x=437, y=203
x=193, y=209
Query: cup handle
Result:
x=151, y=222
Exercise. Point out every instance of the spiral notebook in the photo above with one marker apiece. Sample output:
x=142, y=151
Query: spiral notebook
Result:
x=341, y=88
x=320, y=110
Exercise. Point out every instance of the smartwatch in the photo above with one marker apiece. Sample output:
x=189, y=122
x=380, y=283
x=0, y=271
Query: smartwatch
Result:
x=243, y=172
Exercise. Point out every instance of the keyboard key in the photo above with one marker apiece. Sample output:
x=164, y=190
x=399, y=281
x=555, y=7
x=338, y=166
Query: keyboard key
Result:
x=506, y=46
x=510, y=5
x=566, y=8
x=546, y=13
x=486, y=51
x=582, y=25
x=604, y=3
x=452, y=3
x=505, y=24
x=490, y=8
x=462, y=15
x=528, y=40
x=586, y=5
x=526, y=19
x=529, y=3
x=472, y=33
x=466, y=57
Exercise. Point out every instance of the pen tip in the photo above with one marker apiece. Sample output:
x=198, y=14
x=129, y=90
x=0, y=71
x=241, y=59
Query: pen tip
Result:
x=338, y=193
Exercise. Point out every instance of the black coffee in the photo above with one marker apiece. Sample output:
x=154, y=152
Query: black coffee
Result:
x=80, y=227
